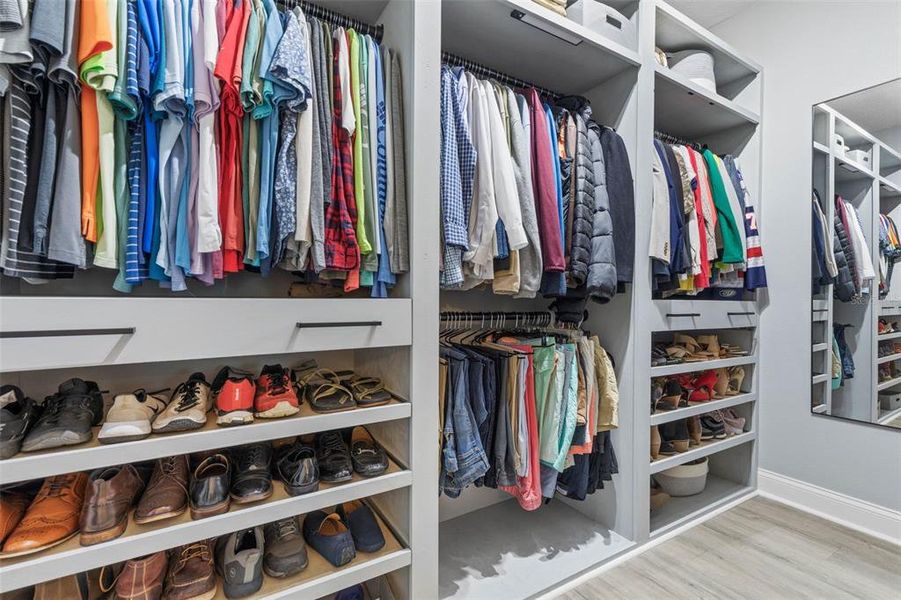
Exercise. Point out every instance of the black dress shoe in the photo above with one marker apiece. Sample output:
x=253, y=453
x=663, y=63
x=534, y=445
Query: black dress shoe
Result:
x=333, y=457
x=252, y=480
x=209, y=487
x=369, y=458
x=296, y=467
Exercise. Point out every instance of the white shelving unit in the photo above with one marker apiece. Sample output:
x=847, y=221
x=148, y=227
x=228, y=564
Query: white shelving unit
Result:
x=873, y=190
x=481, y=545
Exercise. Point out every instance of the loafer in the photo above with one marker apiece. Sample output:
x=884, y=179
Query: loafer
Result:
x=329, y=536
x=252, y=480
x=240, y=560
x=142, y=578
x=296, y=467
x=166, y=495
x=210, y=483
x=286, y=552
x=363, y=526
x=192, y=572
x=187, y=408
x=52, y=518
x=17, y=415
x=109, y=495
x=333, y=457
x=368, y=457
x=67, y=417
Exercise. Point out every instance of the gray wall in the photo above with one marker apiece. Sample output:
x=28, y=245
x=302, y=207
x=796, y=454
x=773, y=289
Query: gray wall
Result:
x=891, y=136
x=810, y=51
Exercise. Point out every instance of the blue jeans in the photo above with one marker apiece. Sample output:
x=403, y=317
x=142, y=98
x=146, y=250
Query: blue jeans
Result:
x=464, y=459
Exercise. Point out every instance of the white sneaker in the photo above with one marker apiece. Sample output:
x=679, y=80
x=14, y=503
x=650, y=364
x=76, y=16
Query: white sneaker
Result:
x=188, y=406
x=130, y=416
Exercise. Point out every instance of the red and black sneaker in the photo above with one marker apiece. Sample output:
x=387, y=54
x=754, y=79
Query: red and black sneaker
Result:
x=275, y=396
x=234, y=396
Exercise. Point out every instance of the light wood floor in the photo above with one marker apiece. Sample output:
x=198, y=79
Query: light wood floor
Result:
x=758, y=550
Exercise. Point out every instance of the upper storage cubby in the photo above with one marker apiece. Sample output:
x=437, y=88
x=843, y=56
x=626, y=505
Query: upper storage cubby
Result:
x=704, y=90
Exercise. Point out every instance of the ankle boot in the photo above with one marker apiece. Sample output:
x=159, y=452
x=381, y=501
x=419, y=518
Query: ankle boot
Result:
x=694, y=430
x=674, y=437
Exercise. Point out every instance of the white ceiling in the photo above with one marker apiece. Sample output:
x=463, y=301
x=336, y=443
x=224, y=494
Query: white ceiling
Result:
x=875, y=109
x=710, y=13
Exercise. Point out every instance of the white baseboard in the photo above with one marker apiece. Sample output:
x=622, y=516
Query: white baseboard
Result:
x=851, y=512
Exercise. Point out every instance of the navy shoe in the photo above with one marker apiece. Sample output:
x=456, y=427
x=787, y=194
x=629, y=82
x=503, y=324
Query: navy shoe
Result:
x=352, y=593
x=329, y=536
x=363, y=527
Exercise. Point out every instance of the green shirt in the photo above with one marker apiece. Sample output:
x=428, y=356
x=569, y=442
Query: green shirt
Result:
x=733, y=252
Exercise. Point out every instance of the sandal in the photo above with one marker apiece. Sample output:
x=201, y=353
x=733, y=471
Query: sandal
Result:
x=711, y=344
x=736, y=377
x=693, y=347
x=703, y=386
x=369, y=391
x=327, y=396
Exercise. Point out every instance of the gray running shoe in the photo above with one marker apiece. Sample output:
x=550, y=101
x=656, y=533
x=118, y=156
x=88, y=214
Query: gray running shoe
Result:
x=240, y=561
x=286, y=552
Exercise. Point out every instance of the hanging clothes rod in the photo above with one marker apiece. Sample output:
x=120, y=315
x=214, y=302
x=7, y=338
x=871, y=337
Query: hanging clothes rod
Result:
x=472, y=320
x=335, y=18
x=672, y=139
x=478, y=69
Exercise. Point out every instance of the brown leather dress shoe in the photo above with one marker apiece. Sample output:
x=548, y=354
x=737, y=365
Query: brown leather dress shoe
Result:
x=192, y=573
x=52, y=517
x=110, y=494
x=166, y=495
x=142, y=578
x=12, y=508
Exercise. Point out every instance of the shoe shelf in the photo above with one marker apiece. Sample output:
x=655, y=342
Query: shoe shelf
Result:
x=822, y=148
x=706, y=448
x=677, y=511
x=137, y=540
x=822, y=347
x=889, y=383
x=698, y=408
x=819, y=378
x=819, y=409
x=886, y=416
x=93, y=454
x=703, y=365
x=883, y=337
x=320, y=578
x=59, y=332
x=889, y=358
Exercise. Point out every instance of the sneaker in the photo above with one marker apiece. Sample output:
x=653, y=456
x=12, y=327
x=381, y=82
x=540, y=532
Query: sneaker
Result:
x=131, y=416
x=275, y=395
x=67, y=416
x=712, y=428
x=329, y=536
x=286, y=552
x=240, y=561
x=192, y=572
x=234, y=390
x=252, y=480
x=734, y=423
x=296, y=467
x=333, y=457
x=188, y=406
x=17, y=414
x=364, y=528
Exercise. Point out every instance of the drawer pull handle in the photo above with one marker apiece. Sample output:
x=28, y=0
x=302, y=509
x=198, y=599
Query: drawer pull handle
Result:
x=302, y=325
x=38, y=333
x=747, y=313
x=671, y=315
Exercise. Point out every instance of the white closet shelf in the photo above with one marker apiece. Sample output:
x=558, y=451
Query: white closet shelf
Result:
x=676, y=32
x=888, y=189
x=819, y=409
x=321, y=579
x=543, y=47
x=889, y=383
x=889, y=308
x=502, y=551
x=698, y=408
x=40, y=332
x=853, y=134
x=685, y=109
x=704, y=449
x=888, y=359
x=888, y=415
x=821, y=304
x=138, y=540
x=846, y=170
x=884, y=337
x=822, y=148
x=819, y=347
x=819, y=378
x=680, y=510
x=704, y=365
x=92, y=455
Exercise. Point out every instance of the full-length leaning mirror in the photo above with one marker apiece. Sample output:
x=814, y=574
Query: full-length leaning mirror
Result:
x=856, y=216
